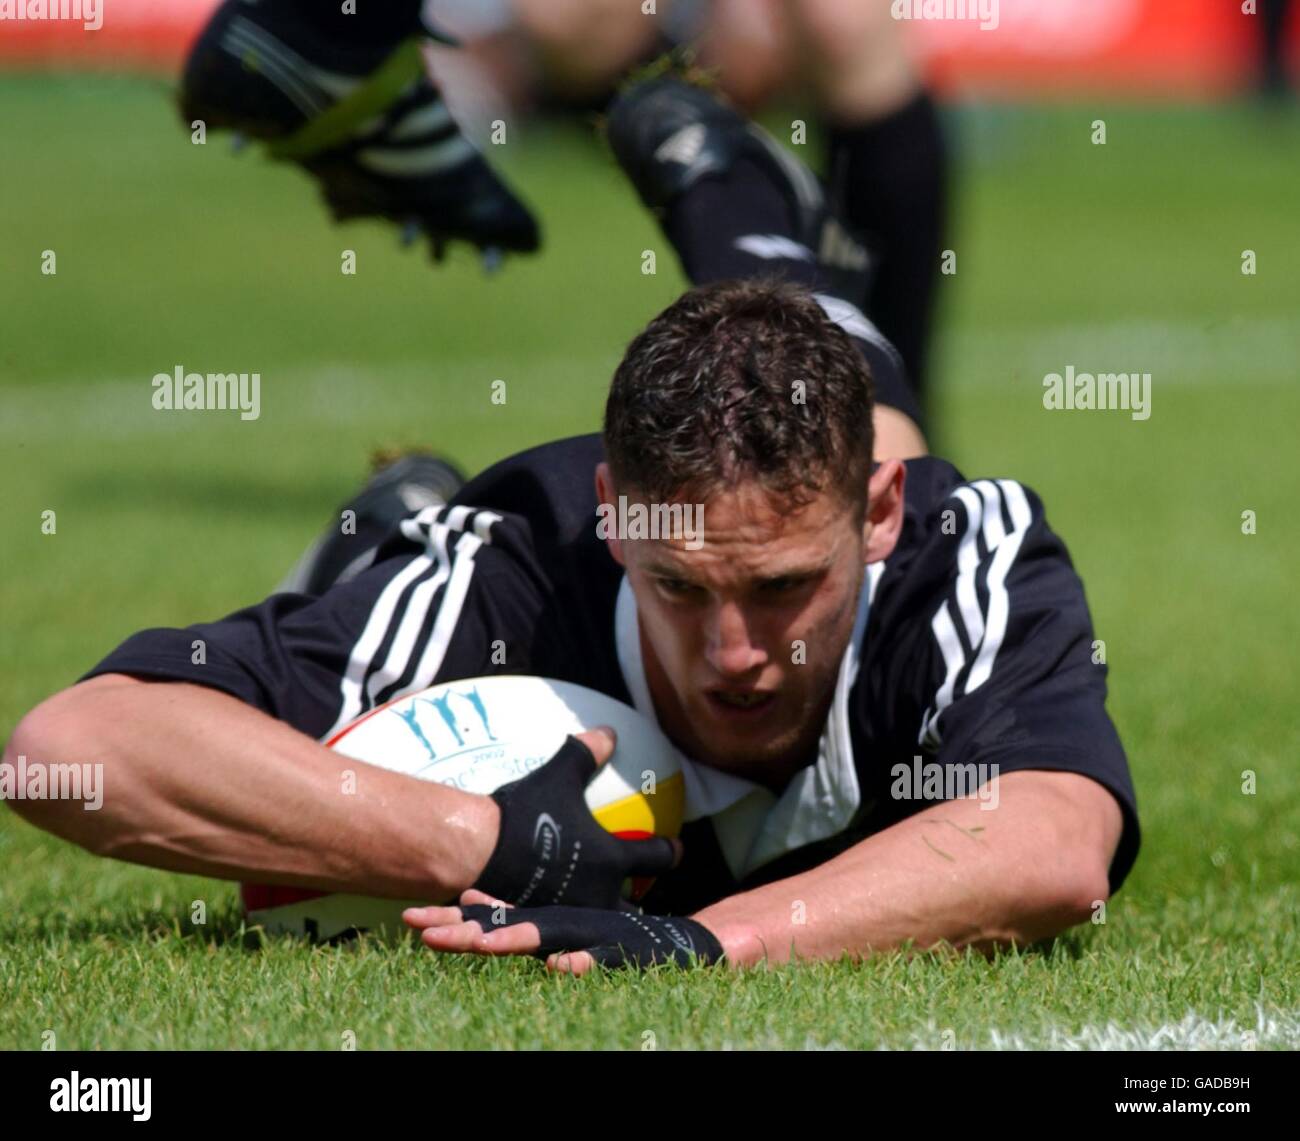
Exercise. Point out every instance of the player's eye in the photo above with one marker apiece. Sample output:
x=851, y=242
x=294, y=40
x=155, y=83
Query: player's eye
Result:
x=675, y=586
x=784, y=585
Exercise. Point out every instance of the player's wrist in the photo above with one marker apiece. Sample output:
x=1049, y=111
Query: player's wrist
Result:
x=548, y=848
x=740, y=942
x=480, y=828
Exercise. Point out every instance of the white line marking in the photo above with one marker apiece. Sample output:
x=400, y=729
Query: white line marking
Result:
x=1271, y=1029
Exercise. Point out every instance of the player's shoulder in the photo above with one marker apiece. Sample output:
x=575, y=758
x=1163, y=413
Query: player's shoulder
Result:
x=545, y=501
x=976, y=578
x=541, y=580
x=538, y=502
x=943, y=507
x=552, y=483
x=933, y=483
x=531, y=515
x=960, y=528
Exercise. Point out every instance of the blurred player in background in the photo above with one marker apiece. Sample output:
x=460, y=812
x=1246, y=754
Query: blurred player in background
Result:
x=1273, y=18
x=885, y=156
x=348, y=97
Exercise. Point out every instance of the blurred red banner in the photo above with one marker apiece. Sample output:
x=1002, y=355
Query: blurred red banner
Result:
x=1170, y=48
x=991, y=48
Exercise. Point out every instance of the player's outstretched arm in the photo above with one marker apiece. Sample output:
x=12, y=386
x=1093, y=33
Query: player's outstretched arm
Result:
x=956, y=873
x=959, y=872
x=196, y=781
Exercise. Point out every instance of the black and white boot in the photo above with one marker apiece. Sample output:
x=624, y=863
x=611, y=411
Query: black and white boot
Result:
x=363, y=118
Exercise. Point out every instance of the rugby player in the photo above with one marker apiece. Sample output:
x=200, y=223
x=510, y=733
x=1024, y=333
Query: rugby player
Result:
x=845, y=619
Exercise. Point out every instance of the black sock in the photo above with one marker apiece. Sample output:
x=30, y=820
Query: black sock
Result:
x=375, y=23
x=1272, y=45
x=705, y=223
x=888, y=180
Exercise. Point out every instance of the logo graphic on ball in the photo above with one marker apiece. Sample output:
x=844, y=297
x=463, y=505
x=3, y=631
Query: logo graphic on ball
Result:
x=447, y=722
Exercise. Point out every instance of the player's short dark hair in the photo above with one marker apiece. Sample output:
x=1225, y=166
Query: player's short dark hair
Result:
x=741, y=380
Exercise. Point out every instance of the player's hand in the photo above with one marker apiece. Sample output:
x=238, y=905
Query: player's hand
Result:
x=551, y=850
x=571, y=939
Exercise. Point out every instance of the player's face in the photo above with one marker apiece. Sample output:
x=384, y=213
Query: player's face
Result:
x=744, y=624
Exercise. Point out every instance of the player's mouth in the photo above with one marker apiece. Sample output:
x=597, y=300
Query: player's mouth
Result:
x=737, y=704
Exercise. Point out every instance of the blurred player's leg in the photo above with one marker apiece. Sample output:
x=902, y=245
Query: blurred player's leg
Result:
x=347, y=96
x=886, y=162
x=748, y=42
x=735, y=204
x=583, y=46
x=886, y=158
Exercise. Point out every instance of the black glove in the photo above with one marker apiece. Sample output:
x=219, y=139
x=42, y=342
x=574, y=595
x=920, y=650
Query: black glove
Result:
x=612, y=938
x=550, y=848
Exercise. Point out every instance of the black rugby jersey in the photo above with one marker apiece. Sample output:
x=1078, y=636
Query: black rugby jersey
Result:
x=973, y=647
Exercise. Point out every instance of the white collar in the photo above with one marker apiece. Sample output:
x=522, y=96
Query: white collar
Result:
x=754, y=826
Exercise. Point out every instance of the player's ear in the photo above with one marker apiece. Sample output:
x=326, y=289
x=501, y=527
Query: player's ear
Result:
x=884, y=522
x=607, y=511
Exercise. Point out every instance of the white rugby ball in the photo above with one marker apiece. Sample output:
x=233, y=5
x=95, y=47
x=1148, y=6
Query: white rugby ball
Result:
x=476, y=735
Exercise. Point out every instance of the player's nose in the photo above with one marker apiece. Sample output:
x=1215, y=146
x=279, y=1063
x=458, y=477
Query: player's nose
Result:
x=730, y=646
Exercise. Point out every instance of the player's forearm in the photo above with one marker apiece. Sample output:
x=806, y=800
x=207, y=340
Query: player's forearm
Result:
x=953, y=873
x=195, y=781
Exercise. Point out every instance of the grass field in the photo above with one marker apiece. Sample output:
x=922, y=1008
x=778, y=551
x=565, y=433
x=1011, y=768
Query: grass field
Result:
x=1123, y=257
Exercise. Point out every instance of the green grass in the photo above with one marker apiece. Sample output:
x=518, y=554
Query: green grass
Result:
x=1124, y=257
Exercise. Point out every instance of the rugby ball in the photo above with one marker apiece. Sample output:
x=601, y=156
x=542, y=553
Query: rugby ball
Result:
x=476, y=735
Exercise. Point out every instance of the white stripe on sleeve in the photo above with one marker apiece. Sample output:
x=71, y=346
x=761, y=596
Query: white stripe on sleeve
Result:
x=453, y=602
x=372, y=637
x=413, y=620
x=999, y=601
x=985, y=629
x=441, y=575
